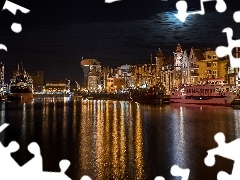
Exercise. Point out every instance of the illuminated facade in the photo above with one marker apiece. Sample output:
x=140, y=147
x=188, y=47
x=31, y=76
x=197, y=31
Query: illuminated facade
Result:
x=56, y=86
x=119, y=78
x=178, y=58
x=206, y=64
x=115, y=84
x=2, y=78
x=91, y=73
x=168, y=73
x=145, y=75
x=182, y=67
x=234, y=79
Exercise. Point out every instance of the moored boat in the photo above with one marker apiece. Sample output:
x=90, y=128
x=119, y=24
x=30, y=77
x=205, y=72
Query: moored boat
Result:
x=21, y=85
x=204, y=94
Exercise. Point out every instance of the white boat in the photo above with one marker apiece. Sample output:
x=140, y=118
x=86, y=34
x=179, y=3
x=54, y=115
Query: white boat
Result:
x=203, y=94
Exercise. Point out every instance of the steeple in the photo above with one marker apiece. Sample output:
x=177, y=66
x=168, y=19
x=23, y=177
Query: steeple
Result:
x=159, y=62
x=179, y=48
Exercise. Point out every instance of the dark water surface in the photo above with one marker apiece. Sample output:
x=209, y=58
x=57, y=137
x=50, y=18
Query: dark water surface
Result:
x=117, y=139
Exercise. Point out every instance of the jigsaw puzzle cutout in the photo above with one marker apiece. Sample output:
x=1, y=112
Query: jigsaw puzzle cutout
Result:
x=227, y=150
x=182, y=6
x=236, y=16
x=177, y=171
x=16, y=27
x=33, y=169
x=2, y=46
x=222, y=51
x=111, y=1
x=12, y=7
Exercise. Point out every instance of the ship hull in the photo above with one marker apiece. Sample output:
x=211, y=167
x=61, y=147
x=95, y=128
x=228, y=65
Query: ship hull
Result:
x=223, y=100
x=20, y=96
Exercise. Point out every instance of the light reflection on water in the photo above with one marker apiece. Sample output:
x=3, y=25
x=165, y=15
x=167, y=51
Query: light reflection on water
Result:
x=118, y=140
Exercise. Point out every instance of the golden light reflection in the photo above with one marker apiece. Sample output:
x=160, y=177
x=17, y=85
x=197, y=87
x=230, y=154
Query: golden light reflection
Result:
x=74, y=118
x=115, y=146
x=108, y=142
x=100, y=157
x=85, y=150
x=64, y=126
x=45, y=119
x=54, y=117
x=122, y=158
x=111, y=140
x=131, y=156
x=32, y=118
x=24, y=123
x=2, y=113
x=139, y=146
x=237, y=123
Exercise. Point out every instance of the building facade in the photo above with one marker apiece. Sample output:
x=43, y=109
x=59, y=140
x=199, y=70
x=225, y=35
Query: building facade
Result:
x=37, y=81
x=56, y=86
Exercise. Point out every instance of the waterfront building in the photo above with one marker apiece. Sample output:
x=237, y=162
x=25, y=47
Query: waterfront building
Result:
x=56, y=86
x=168, y=73
x=211, y=66
x=126, y=72
x=115, y=84
x=74, y=87
x=159, y=65
x=144, y=75
x=92, y=74
x=2, y=85
x=118, y=78
x=187, y=68
x=206, y=64
x=37, y=81
x=234, y=79
x=104, y=77
x=195, y=55
x=178, y=57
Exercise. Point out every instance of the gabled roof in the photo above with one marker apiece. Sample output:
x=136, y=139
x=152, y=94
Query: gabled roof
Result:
x=198, y=53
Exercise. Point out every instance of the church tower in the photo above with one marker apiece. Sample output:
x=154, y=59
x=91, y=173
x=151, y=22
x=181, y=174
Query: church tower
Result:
x=178, y=56
x=159, y=62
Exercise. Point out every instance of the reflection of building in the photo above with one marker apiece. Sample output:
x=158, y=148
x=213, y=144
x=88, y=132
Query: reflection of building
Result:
x=56, y=86
x=37, y=81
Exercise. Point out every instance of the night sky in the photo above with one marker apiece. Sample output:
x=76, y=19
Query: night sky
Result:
x=56, y=35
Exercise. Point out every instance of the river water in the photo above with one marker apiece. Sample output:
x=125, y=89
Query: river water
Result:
x=107, y=139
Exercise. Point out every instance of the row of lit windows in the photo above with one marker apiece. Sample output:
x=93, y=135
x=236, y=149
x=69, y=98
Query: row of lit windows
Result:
x=209, y=64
